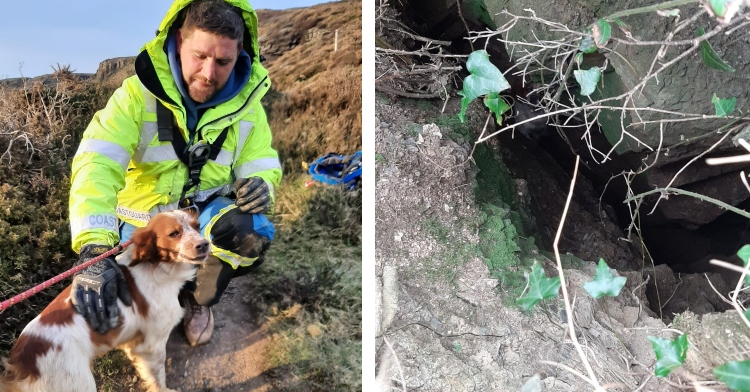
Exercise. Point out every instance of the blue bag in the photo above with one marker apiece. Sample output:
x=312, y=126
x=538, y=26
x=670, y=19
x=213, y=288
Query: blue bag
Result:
x=335, y=169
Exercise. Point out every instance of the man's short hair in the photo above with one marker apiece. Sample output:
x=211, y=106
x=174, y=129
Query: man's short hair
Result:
x=216, y=17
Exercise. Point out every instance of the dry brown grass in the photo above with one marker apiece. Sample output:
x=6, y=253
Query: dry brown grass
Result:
x=315, y=106
x=40, y=127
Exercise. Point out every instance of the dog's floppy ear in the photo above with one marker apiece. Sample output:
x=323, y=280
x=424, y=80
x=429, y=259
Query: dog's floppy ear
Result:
x=192, y=212
x=144, y=242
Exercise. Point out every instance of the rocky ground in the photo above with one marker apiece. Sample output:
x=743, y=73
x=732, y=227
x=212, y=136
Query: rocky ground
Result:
x=447, y=318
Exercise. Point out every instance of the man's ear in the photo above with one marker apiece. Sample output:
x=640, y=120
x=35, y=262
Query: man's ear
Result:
x=178, y=37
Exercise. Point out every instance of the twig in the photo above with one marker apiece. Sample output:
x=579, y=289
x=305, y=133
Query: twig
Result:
x=568, y=311
x=650, y=8
x=398, y=363
x=726, y=160
x=423, y=39
x=662, y=306
x=572, y=371
x=695, y=158
x=744, y=180
x=737, y=288
x=387, y=89
x=421, y=52
x=461, y=15
x=692, y=194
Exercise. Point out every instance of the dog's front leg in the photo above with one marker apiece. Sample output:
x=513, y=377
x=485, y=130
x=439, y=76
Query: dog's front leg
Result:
x=149, y=362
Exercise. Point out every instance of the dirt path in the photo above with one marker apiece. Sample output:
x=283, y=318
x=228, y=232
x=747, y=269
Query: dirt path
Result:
x=233, y=359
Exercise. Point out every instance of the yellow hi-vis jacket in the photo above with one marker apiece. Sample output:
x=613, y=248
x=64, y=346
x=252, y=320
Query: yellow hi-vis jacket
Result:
x=122, y=171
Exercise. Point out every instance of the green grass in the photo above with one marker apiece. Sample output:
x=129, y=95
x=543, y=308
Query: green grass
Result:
x=452, y=127
x=383, y=98
x=114, y=372
x=433, y=227
x=494, y=183
x=311, y=290
x=424, y=105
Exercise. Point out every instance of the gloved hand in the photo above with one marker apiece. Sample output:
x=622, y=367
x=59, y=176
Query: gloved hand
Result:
x=253, y=196
x=96, y=289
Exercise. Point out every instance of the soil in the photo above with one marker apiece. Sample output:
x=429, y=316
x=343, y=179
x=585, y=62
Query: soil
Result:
x=233, y=359
x=446, y=321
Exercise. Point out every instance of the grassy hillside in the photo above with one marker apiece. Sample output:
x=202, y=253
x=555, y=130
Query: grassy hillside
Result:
x=314, y=108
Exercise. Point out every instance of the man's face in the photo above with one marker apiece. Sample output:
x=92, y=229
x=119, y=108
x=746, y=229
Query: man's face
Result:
x=207, y=61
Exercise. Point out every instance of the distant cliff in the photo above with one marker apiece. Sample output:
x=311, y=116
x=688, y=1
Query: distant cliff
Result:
x=114, y=71
x=111, y=72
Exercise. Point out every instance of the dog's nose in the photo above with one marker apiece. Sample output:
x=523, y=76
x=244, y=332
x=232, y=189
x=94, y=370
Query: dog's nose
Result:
x=202, y=247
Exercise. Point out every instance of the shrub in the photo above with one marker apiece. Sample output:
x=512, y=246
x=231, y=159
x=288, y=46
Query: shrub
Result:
x=40, y=127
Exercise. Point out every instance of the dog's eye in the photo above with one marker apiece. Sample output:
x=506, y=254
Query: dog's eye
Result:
x=197, y=227
x=174, y=233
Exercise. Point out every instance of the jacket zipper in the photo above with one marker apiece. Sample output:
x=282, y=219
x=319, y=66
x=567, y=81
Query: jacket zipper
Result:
x=243, y=107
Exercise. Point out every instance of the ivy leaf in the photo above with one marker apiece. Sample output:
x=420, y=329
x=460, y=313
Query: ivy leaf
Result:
x=540, y=287
x=588, y=79
x=579, y=58
x=723, y=10
x=602, y=30
x=670, y=354
x=710, y=57
x=605, y=282
x=587, y=43
x=497, y=105
x=724, y=107
x=718, y=7
x=747, y=314
x=485, y=78
x=744, y=255
x=735, y=374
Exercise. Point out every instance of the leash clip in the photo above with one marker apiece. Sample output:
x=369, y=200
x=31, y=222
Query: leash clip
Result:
x=187, y=204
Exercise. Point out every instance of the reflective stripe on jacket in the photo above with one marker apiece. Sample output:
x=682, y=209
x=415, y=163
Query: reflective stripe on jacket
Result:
x=122, y=171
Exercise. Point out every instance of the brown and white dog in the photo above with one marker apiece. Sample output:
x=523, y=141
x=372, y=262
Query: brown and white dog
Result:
x=56, y=351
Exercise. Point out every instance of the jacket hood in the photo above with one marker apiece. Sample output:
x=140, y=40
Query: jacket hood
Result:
x=152, y=64
x=250, y=44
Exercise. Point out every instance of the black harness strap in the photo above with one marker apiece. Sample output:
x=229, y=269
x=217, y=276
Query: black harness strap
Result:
x=194, y=157
x=164, y=122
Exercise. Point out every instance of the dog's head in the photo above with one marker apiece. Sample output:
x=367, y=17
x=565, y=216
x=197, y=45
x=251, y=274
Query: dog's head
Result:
x=172, y=236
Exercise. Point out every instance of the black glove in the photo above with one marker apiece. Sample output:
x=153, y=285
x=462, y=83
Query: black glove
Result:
x=253, y=196
x=96, y=289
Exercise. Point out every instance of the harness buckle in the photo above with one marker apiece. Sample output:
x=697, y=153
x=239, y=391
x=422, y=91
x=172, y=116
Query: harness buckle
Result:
x=187, y=204
x=198, y=155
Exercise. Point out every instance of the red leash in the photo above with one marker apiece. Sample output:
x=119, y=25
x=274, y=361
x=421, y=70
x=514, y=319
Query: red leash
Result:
x=36, y=289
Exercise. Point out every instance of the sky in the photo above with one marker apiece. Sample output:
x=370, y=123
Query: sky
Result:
x=39, y=34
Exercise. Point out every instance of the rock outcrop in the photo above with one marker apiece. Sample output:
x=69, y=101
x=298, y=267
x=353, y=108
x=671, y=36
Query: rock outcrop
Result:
x=114, y=69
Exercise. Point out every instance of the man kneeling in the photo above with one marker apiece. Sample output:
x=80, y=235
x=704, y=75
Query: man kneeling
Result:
x=187, y=131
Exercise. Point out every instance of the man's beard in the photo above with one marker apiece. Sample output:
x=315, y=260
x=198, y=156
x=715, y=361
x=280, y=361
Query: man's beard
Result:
x=202, y=95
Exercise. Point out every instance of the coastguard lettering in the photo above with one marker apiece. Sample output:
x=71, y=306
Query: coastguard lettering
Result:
x=141, y=216
x=103, y=221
